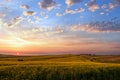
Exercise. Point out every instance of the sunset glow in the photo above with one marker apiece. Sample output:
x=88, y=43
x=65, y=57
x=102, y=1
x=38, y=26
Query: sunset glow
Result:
x=59, y=27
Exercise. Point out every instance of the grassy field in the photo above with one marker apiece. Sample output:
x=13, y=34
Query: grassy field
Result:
x=60, y=67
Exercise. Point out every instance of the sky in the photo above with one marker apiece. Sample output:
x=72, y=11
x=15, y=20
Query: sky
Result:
x=45, y=27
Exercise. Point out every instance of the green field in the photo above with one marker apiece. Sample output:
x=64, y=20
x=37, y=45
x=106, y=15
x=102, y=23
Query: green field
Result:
x=60, y=67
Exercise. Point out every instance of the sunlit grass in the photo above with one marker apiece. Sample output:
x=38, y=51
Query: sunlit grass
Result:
x=61, y=67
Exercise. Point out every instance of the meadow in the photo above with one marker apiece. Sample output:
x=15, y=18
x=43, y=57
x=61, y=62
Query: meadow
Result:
x=60, y=67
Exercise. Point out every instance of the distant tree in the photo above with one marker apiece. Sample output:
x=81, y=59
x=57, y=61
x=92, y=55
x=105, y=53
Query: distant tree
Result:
x=20, y=60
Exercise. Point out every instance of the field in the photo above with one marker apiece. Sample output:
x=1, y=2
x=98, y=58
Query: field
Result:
x=60, y=67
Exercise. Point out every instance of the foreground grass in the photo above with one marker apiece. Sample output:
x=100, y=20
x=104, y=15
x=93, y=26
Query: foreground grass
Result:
x=58, y=68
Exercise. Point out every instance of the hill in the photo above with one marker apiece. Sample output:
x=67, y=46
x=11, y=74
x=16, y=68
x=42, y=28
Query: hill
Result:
x=60, y=67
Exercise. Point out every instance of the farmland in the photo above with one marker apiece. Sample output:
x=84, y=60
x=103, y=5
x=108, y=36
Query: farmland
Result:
x=60, y=67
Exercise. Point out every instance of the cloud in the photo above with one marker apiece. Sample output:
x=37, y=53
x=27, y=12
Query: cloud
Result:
x=92, y=6
x=68, y=11
x=46, y=17
x=15, y=22
x=47, y=4
x=99, y=26
x=117, y=1
x=101, y=13
x=2, y=14
x=104, y=6
x=59, y=14
x=42, y=13
x=112, y=6
x=112, y=25
x=71, y=2
x=29, y=13
x=104, y=26
x=81, y=17
x=109, y=7
x=12, y=23
x=116, y=46
x=24, y=6
x=8, y=0
x=37, y=18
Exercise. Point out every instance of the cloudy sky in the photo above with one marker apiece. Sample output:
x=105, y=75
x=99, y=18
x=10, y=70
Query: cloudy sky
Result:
x=59, y=27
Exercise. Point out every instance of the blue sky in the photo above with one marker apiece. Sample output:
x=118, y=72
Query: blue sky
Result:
x=60, y=26
x=60, y=7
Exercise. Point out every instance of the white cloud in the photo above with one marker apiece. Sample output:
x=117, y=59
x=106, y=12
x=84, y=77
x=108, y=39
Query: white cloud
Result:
x=68, y=11
x=71, y=2
x=42, y=13
x=92, y=6
x=37, y=18
x=59, y=14
x=109, y=7
x=81, y=16
x=104, y=6
x=24, y=6
x=104, y=26
x=112, y=6
x=13, y=23
x=101, y=13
